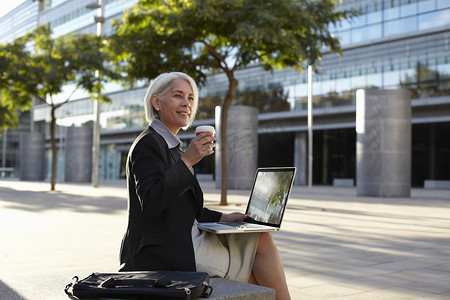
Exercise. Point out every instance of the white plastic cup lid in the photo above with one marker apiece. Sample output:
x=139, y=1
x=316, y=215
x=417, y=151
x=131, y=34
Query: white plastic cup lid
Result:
x=204, y=128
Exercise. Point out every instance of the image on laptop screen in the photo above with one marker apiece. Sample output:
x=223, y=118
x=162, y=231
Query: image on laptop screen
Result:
x=270, y=192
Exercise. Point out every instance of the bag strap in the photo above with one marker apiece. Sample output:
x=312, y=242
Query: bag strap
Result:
x=69, y=287
x=161, y=282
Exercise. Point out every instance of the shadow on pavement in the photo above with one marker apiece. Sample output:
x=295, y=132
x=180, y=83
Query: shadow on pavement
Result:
x=418, y=197
x=43, y=201
x=8, y=293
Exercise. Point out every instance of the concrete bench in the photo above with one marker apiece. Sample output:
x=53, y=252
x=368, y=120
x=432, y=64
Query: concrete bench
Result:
x=343, y=182
x=50, y=285
x=437, y=184
x=229, y=289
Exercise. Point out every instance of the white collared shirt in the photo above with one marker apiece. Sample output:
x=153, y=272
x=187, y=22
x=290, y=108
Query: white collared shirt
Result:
x=171, y=139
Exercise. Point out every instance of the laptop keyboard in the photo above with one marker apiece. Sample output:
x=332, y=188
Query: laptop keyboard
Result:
x=240, y=225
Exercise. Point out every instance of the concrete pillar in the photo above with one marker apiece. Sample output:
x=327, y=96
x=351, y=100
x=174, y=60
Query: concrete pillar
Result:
x=301, y=158
x=32, y=156
x=78, y=154
x=242, y=147
x=383, y=148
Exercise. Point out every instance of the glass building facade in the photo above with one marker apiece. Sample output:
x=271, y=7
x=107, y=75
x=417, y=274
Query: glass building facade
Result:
x=393, y=44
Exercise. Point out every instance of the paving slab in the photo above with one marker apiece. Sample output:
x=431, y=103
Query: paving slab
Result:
x=333, y=244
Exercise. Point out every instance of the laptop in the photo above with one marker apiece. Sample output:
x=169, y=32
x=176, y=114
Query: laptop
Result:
x=266, y=206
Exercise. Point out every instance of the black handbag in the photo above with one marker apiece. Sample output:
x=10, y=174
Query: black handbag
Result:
x=141, y=285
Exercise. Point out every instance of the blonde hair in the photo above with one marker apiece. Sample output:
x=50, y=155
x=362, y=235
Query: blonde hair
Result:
x=161, y=85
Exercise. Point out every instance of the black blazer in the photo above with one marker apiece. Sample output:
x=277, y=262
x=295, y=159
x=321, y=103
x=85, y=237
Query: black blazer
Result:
x=164, y=197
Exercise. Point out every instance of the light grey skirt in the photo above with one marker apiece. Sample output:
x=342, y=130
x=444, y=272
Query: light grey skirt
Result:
x=228, y=256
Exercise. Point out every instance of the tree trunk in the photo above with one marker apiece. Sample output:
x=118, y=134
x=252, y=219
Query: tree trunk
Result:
x=232, y=87
x=53, y=143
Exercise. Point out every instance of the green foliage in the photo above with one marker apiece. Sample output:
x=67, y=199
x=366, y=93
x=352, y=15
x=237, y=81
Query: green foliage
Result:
x=9, y=118
x=201, y=35
x=37, y=65
x=13, y=92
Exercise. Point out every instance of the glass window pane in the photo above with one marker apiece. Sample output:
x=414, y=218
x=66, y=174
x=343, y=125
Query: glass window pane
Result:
x=408, y=9
x=434, y=19
x=333, y=28
x=359, y=21
x=374, y=80
x=358, y=35
x=443, y=4
x=391, y=78
x=408, y=75
x=444, y=71
x=300, y=90
x=391, y=13
x=343, y=25
x=400, y=26
x=373, y=6
x=373, y=32
x=327, y=87
x=426, y=73
x=358, y=82
x=374, y=17
x=409, y=24
x=428, y=5
x=301, y=96
x=342, y=85
x=290, y=90
x=344, y=37
x=391, y=28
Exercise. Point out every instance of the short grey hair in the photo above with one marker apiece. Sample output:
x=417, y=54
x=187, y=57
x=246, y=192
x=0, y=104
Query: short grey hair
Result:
x=161, y=85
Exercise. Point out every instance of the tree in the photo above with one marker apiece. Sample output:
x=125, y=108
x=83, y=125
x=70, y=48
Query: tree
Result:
x=13, y=61
x=41, y=67
x=201, y=36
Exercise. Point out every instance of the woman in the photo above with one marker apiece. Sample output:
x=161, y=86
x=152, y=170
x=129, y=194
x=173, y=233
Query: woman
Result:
x=164, y=196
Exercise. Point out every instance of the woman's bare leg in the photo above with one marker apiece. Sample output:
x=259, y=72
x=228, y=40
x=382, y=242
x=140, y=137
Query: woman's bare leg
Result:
x=267, y=268
x=252, y=279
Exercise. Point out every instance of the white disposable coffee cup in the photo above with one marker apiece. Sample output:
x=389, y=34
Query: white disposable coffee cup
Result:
x=205, y=128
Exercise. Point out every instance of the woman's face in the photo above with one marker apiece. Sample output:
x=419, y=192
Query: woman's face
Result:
x=175, y=106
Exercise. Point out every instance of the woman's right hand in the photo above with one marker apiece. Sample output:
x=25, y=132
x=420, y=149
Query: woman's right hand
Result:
x=201, y=146
x=233, y=217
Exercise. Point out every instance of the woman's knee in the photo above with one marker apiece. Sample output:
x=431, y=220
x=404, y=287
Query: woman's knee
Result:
x=265, y=240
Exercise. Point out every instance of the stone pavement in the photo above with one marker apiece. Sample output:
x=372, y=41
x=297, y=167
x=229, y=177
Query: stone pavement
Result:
x=333, y=244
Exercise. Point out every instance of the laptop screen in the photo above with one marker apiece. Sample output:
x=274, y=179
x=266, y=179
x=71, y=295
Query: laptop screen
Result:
x=271, y=188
